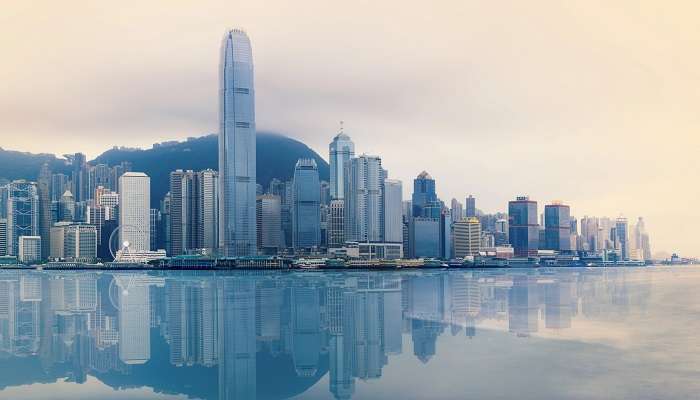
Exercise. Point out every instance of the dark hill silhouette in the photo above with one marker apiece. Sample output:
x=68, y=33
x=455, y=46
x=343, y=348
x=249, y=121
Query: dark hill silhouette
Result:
x=276, y=156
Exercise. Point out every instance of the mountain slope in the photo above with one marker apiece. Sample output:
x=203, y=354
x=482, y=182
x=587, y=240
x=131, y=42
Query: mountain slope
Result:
x=276, y=157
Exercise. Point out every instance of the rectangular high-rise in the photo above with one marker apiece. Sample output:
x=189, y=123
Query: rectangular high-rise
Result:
x=134, y=211
x=306, y=200
x=523, y=229
x=269, y=216
x=467, y=237
x=364, y=199
x=341, y=150
x=557, y=227
x=470, y=207
x=237, y=173
x=22, y=213
x=393, y=212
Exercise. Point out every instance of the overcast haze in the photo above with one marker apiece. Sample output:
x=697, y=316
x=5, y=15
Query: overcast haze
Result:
x=589, y=102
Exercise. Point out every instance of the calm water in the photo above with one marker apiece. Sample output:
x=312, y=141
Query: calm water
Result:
x=526, y=334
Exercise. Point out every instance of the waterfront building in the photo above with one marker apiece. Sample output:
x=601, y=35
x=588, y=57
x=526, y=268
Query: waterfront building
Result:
x=269, y=224
x=306, y=224
x=80, y=243
x=622, y=238
x=364, y=199
x=341, y=150
x=557, y=227
x=237, y=141
x=134, y=211
x=425, y=238
x=44, y=194
x=470, y=207
x=423, y=193
x=22, y=213
x=29, y=249
x=58, y=235
x=336, y=226
x=3, y=237
x=393, y=213
x=467, y=237
x=523, y=230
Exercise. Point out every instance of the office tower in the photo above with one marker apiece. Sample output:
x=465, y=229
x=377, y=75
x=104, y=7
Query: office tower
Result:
x=324, y=216
x=58, y=235
x=165, y=215
x=622, y=237
x=154, y=223
x=336, y=223
x=178, y=202
x=44, y=193
x=3, y=200
x=22, y=213
x=287, y=203
x=134, y=210
x=29, y=249
x=98, y=175
x=447, y=250
x=341, y=150
x=208, y=222
x=470, y=207
x=78, y=175
x=424, y=240
x=557, y=227
x=116, y=172
x=364, y=203
x=306, y=224
x=237, y=175
x=325, y=193
x=59, y=184
x=523, y=230
x=269, y=224
x=457, y=210
x=393, y=212
x=80, y=243
x=3, y=236
x=67, y=207
x=467, y=237
x=423, y=193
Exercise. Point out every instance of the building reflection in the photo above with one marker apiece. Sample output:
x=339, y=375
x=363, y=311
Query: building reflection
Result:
x=274, y=335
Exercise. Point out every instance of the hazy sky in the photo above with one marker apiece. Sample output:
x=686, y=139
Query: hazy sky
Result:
x=591, y=102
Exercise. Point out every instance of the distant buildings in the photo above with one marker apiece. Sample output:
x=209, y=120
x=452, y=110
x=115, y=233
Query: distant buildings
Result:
x=470, y=207
x=237, y=187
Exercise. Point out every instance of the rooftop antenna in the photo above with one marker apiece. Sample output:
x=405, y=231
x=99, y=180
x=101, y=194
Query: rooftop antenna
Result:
x=341, y=126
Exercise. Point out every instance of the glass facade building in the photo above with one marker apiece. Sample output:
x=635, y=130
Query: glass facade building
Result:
x=557, y=227
x=341, y=150
x=237, y=234
x=306, y=217
x=423, y=193
x=523, y=229
x=22, y=213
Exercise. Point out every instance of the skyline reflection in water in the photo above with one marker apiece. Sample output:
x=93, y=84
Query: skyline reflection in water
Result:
x=575, y=333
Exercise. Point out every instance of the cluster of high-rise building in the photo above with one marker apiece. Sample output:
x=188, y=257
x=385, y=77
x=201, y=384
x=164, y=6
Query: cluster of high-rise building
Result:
x=226, y=329
x=101, y=211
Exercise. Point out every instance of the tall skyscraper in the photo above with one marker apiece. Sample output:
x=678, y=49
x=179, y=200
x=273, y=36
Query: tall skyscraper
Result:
x=336, y=223
x=269, y=215
x=423, y=193
x=44, y=193
x=457, y=210
x=470, y=207
x=306, y=224
x=341, y=150
x=557, y=227
x=364, y=199
x=523, y=230
x=134, y=211
x=393, y=212
x=467, y=237
x=22, y=213
x=208, y=221
x=622, y=237
x=3, y=237
x=237, y=175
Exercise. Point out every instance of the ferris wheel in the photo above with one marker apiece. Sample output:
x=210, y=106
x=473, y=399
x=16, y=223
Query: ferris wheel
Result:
x=121, y=251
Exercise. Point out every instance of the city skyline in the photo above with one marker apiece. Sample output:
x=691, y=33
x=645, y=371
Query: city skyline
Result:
x=593, y=153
